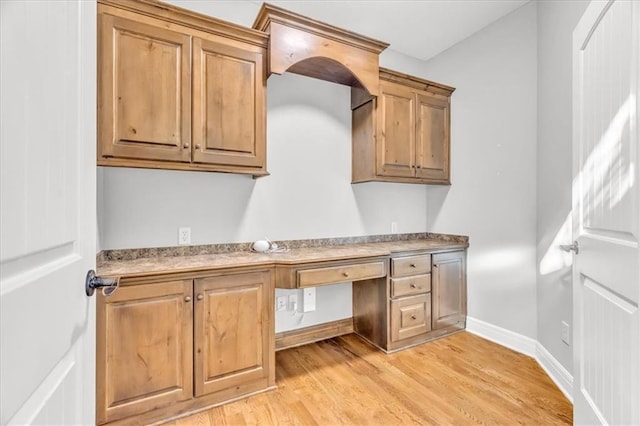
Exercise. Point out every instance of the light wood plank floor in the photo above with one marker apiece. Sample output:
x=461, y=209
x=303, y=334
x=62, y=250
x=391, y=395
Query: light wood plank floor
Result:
x=461, y=379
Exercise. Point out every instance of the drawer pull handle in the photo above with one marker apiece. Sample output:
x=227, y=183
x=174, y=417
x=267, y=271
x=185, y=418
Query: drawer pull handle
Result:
x=413, y=317
x=413, y=285
x=187, y=299
x=346, y=274
x=413, y=265
x=200, y=297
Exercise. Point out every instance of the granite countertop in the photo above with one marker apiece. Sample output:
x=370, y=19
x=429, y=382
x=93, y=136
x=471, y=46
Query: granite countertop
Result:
x=125, y=264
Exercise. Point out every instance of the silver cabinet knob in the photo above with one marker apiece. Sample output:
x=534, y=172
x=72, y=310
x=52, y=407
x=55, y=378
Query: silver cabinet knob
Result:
x=574, y=247
x=200, y=296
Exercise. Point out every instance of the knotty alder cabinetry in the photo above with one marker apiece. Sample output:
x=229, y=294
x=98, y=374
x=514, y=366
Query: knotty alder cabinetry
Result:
x=179, y=90
x=167, y=347
x=403, y=134
x=423, y=298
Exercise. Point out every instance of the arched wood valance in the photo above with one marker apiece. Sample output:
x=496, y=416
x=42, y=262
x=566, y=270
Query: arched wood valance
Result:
x=308, y=47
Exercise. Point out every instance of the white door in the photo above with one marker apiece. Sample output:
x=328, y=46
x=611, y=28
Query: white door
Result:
x=606, y=214
x=48, y=216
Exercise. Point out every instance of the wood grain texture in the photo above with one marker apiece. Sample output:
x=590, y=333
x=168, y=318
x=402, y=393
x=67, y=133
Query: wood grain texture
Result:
x=136, y=119
x=460, y=379
x=407, y=286
x=410, y=316
x=220, y=94
x=319, y=50
x=410, y=265
x=306, y=335
x=144, y=349
x=229, y=105
x=449, y=288
x=232, y=330
x=403, y=134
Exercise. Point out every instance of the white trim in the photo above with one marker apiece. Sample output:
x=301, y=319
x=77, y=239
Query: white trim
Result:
x=527, y=346
x=502, y=336
x=560, y=376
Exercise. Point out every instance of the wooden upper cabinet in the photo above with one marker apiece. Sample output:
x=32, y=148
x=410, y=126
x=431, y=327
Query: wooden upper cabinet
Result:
x=145, y=91
x=396, y=135
x=432, y=133
x=179, y=90
x=144, y=349
x=228, y=109
x=233, y=331
x=403, y=134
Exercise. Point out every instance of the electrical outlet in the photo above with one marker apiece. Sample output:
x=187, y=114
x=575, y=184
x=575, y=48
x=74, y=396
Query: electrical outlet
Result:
x=281, y=303
x=566, y=337
x=394, y=227
x=184, y=236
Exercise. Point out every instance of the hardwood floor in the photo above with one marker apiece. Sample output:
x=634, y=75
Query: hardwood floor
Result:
x=460, y=379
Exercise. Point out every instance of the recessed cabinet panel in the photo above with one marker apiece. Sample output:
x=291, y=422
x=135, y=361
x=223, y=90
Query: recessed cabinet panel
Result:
x=228, y=118
x=144, y=91
x=448, y=285
x=396, y=137
x=410, y=316
x=433, y=138
x=146, y=341
x=231, y=331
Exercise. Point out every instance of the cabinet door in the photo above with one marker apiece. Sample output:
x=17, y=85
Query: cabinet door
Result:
x=229, y=105
x=144, y=91
x=448, y=289
x=396, y=132
x=233, y=318
x=432, y=134
x=144, y=353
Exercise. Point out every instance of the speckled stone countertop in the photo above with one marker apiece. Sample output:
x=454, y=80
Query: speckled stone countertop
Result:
x=133, y=264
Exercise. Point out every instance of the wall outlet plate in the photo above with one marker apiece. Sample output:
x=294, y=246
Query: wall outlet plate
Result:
x=184, y=236
x=281, y=303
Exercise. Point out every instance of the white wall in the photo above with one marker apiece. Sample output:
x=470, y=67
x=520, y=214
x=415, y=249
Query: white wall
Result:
x=556, y=21
x=492, y=198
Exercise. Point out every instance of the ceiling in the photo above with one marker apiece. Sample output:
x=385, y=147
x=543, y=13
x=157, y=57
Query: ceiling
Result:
x=418, y=28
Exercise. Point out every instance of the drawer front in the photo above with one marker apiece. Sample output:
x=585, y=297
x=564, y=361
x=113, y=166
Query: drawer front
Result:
x=410, y=316
x=410, y=285
x=340, y=274
x=411, y=265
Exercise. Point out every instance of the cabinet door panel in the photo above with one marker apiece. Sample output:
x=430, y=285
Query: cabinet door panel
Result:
x=232, y=320
x=448, y=287
x=433, y=138
x=229, y=109
x=396, y=137
x=144, y=350
x=144, y=91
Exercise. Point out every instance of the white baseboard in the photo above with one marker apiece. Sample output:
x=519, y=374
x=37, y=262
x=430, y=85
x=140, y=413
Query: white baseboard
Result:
x=527, y=346
x=502, y=336
x=560, y=376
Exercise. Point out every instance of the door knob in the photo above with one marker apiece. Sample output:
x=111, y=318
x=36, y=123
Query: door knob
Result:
x=92, y=282
x=570, y=247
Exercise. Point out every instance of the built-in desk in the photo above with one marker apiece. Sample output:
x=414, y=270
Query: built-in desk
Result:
x=191, y=328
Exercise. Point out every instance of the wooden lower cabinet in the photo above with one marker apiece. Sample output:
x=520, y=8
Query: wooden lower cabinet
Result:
x=449, y=289
x=167, y=347
x=232, y=329
x=423, y=298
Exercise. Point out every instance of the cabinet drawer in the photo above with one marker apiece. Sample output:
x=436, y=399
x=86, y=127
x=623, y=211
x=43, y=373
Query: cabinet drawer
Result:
x=410, y=285
x=411, y=265
x=339, y=274
x=410, y=316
